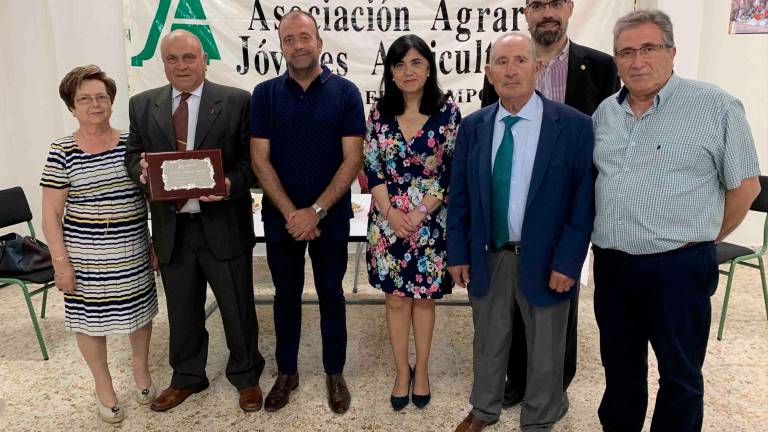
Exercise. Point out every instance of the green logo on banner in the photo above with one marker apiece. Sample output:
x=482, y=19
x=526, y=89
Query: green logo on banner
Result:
x=187, y=10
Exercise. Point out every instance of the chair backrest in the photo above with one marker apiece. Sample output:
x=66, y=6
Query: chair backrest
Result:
x=14, y=207
x=761, y=202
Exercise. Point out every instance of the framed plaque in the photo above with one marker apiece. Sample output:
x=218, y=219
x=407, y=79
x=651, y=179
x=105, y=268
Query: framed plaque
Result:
x=187, y=174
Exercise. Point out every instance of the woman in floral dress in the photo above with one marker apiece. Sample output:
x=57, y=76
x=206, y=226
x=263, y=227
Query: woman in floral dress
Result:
x=408, y=148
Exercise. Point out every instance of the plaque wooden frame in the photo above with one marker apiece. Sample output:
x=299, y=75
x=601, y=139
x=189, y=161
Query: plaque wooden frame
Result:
x=157, y=191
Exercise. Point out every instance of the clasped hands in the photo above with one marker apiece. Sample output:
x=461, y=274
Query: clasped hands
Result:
x=404, y=224
x=205, y=198
x=302, y=224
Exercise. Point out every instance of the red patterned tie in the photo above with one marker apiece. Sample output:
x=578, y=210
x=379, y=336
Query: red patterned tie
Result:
x=180, y=126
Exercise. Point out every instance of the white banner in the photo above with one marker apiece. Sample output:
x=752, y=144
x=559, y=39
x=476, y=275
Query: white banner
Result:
x=240, y=36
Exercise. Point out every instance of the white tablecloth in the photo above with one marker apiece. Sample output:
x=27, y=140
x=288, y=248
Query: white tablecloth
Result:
x=358, y=227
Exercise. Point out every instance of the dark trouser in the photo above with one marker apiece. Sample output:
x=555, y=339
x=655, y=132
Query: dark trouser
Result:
x=184, y=281
x=518, y=355
x=285, y=258
x=665, y=299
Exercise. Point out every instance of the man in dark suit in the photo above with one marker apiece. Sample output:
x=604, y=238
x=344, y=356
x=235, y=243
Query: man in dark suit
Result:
x=580, y=77
x=207, y=240
x=523, y=236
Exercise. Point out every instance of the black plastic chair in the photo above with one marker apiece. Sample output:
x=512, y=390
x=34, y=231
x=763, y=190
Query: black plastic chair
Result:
x=14, y=209
x=735, y=254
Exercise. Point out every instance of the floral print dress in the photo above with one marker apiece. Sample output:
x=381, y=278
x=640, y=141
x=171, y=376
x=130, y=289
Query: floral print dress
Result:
x=415, y=266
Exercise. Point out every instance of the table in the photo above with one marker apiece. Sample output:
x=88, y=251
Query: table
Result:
x=358, y=227
x=358, y=234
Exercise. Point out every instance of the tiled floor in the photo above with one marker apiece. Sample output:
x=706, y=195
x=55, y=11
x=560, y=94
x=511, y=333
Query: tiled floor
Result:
x=57, y=394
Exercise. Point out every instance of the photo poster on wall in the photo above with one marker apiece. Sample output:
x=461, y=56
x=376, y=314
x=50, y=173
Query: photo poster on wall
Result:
x=748, y=17
x=240, y=37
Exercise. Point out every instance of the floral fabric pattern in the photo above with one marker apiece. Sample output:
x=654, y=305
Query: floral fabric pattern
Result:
x=414, y=266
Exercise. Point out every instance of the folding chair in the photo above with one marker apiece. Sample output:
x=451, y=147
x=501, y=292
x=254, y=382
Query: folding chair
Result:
x=14, y=209
x=735, y=254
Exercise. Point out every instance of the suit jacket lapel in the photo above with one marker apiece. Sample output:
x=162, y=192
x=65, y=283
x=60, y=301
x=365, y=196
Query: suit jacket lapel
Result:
x=210, y=108
x=484, y=154
x=162, y=115
x=550, y=131
x=576, y=82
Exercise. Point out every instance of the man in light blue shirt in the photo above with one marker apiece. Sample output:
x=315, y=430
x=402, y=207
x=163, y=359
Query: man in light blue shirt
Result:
x=677, y=172
x=519, y=217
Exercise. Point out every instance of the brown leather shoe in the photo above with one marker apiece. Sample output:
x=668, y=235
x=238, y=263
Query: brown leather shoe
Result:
x=338, y=393
x=250, y=398
x=172, y=397
x=279, y=395
x=471, y=424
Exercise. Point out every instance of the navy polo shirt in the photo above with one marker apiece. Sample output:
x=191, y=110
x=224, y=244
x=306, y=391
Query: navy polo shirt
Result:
x=304, y=129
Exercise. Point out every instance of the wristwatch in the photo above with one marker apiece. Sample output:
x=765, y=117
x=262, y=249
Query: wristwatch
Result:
x=319, y=211
x=423, y=208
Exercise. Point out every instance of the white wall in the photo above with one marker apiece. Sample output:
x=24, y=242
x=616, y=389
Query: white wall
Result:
x=736, y=63
x=41, y=40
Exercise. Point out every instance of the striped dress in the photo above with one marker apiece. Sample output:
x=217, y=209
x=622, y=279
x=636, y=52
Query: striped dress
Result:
x=106, y=236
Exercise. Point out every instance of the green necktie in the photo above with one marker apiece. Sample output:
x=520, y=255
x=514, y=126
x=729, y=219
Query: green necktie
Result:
x=502, y=175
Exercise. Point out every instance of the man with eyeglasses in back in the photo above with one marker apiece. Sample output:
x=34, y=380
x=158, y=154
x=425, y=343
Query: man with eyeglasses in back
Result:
x=580, y=77
x=677, y=172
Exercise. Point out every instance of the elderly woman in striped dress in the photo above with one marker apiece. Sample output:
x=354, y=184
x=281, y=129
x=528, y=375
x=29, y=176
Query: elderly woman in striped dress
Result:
x=95, y=222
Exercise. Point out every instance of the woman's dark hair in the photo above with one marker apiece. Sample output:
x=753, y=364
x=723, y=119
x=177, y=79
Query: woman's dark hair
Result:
x=392, y=102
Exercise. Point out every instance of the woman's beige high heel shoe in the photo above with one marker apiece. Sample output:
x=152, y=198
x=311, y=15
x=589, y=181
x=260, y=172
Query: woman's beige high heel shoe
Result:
x=147, y=395
x=108, y=414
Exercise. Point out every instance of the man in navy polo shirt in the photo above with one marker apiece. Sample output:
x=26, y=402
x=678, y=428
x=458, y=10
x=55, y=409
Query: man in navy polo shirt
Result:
x=307, y=129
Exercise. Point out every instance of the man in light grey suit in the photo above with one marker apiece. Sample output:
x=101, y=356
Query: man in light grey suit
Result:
x=207, y=240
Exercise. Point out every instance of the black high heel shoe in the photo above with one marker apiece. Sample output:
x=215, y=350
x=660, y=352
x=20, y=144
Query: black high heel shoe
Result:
x=421, y=400
x=400, y=402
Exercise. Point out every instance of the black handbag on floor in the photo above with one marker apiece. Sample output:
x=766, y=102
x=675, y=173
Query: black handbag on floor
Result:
x=22, y=254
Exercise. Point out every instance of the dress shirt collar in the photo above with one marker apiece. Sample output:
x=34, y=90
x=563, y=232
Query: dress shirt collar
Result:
x=530, y=110
x=322, y=78
x=563, y=55
x=196, y=92
x=661, y=97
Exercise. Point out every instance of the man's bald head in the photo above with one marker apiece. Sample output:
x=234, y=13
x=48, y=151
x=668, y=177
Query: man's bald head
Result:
x=511, y=37
x=183, y=60
x=184, y=35
x=513, y=70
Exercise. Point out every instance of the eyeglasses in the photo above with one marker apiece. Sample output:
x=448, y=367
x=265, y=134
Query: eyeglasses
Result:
x=538, y=6
x=645, y=51
x=88, y=100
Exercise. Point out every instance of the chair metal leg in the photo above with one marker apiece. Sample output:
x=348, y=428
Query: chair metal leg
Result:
x=358, y=252
x=725, y=301
x=765, y=285
x=34, y=321
x=45, y=302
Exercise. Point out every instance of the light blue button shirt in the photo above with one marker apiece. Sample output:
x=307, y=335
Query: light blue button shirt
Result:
x=193, y=104
x=662, y=178
x=526, y=135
